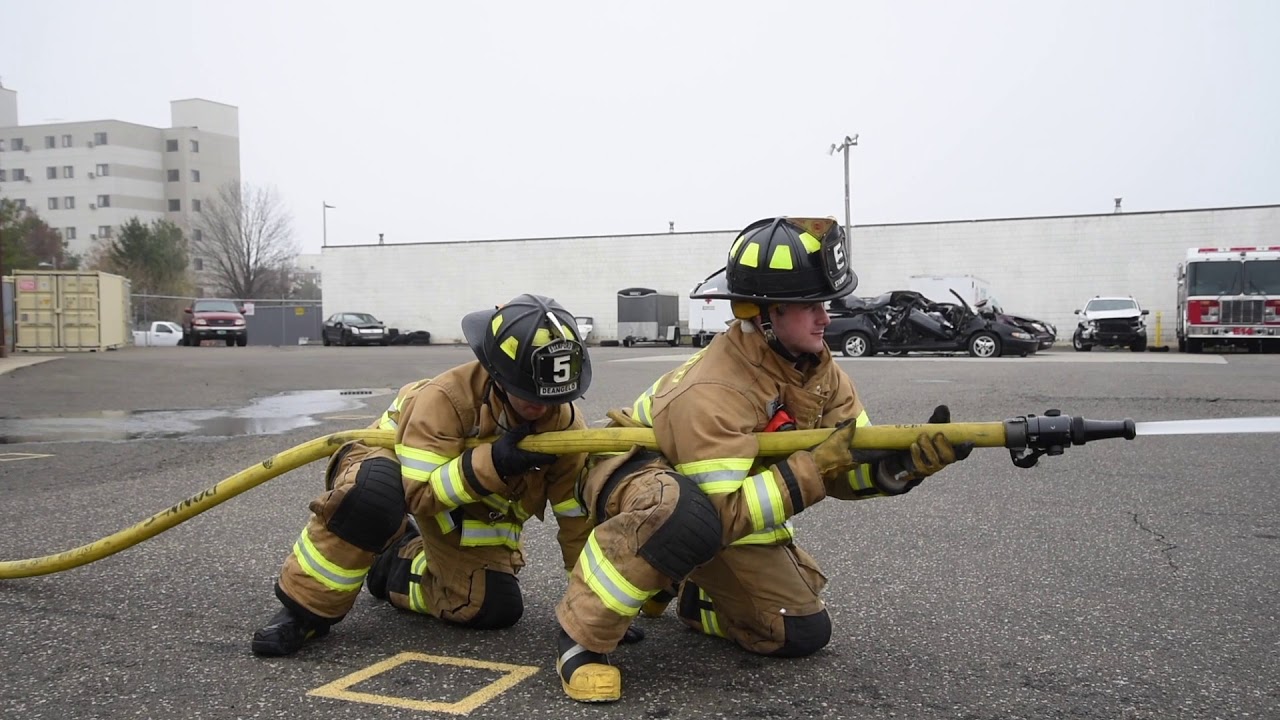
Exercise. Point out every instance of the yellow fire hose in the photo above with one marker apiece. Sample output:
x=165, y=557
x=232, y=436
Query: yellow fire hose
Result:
x=875, y=437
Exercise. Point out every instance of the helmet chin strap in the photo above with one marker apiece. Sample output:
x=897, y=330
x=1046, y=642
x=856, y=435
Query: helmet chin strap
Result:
x=491, y=390
x=766, y=328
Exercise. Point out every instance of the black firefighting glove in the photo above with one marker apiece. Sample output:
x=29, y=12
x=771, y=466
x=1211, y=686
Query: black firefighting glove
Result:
x=899, y=471
x=509, y=460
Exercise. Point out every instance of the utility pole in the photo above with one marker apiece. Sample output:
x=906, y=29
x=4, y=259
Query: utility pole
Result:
x=849, y=141
x=324, y=223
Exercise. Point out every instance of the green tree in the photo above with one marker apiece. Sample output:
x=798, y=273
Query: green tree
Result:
x=154, y=258
x=28, y=241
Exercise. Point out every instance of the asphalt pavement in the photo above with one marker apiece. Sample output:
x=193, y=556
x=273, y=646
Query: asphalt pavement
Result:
x=1124, y=579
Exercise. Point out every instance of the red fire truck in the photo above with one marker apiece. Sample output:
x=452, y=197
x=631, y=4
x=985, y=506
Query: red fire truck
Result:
x=1229, y=296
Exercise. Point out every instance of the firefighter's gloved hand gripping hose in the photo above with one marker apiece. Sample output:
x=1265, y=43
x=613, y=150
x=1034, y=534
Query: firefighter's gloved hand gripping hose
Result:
x=1027, y=437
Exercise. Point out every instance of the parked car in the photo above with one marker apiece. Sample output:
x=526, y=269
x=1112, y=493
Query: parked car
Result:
x=161, y=333
x=1111, y=322
x=214, y=319
x=354, y=328
x=903, y=321
x=1044, y=332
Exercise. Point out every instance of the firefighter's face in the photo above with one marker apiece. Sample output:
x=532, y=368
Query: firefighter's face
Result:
x=799, y=327
x=528, y=411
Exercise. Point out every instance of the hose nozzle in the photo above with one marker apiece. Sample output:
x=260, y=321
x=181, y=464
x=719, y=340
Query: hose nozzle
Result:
x=1028, y=437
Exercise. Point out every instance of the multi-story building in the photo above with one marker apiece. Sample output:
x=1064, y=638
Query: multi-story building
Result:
x=87, y=178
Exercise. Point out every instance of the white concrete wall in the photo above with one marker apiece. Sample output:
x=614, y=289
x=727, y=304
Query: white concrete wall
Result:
x=1041, y=267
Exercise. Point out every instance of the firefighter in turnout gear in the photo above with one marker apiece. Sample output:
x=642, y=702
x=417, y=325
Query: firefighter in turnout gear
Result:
x=707, y=522
x=434, y=527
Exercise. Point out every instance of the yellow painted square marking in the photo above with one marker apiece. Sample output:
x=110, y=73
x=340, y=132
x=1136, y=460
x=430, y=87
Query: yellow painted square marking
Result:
x=340, y=689
x=16, y=456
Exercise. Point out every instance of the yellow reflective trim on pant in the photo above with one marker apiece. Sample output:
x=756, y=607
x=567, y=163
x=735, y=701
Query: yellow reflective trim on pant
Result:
x=418, y=464
x=569, y=509
x=777, y=535
x=764, y=500
x=477, y=533
x=417, y=602
x=710, y=618
x=718, y=475
x=615, y=591
x=325, y=571
x=449, y=484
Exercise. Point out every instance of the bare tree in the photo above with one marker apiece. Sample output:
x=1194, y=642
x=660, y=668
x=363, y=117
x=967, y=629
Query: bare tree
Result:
x=246, y=240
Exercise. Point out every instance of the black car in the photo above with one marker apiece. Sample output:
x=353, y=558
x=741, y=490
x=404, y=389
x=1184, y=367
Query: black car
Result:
x=903, y=321
x=1044, y=332
x=354, y=328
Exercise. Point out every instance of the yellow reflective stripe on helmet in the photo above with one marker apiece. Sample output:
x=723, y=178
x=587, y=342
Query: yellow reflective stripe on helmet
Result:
x=778, y=535
x=614, y=590
x=418, y=464
x=811, y=243
x=325, y=571
x=446, y=523
x=495, y=324
x=750, y=255
x=764, y=501
x=736, y=244
x=449, y=484
x=417, y=602
x=710, y=618
x=717, y=476
x=781, y=259
x=477, y=533
x=570, y=508
x=510, y=346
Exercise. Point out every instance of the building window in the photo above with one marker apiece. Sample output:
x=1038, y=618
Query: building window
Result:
x=69, y=202
x=99, y=138
x=195, y=176
x=3, y=173
x=102, y=170
x=195, y=146
x=175, y=206
x=171, y=146
x=104, y=201
x=19, y=174
x=195, y=206
x=173, y=176
x=1, y=145
x=51, y=173
x=66, y=142
x=16, y=144
x=104, y=231
x=198, y=264
x=69, y=234
x=20, y=203
x=197, y=234
x=50, y=142
x=68, y=171
x=53, y=203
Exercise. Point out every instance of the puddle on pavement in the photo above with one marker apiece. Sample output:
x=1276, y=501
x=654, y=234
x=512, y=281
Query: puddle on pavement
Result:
x=264, y=416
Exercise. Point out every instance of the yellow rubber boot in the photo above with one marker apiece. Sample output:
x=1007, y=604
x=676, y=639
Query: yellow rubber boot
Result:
x=586, y=676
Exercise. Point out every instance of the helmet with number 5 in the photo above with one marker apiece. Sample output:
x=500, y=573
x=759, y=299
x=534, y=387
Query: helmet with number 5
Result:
x=784, y=260
x=530, y=347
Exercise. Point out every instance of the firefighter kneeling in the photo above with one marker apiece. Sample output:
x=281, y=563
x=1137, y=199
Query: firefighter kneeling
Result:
x=707, y=523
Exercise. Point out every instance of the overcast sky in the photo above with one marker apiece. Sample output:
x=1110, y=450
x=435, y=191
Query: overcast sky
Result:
x=433, y=121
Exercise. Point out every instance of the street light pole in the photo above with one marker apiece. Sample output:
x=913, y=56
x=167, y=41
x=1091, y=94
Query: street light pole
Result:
x=849, y=141
x=324, y=220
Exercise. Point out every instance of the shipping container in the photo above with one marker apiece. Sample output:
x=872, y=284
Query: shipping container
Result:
x=6, y=301
x=70, y=311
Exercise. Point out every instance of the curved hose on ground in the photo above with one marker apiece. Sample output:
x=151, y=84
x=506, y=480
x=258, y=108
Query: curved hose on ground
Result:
x=875, y=437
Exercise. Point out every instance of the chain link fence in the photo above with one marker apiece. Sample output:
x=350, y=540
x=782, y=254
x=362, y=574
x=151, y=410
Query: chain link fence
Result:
x=270, y=321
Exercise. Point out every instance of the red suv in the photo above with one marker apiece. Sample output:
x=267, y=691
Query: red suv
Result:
x=209, y=319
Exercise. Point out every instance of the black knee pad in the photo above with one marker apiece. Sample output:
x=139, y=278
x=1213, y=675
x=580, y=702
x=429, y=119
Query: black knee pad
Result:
x=503, y=604
x=374, y=508
x=806, y=635
x=689, y=538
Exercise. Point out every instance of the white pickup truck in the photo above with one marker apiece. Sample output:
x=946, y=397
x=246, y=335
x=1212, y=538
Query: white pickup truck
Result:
x=162, y=333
